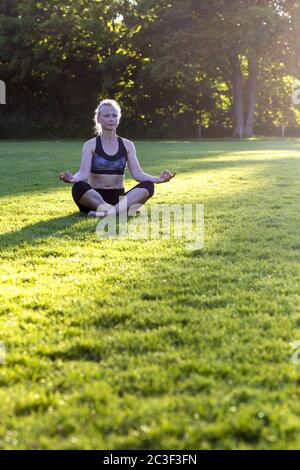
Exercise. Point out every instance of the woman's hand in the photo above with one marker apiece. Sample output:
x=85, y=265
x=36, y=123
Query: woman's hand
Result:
x=165, y=176
x=67, y=177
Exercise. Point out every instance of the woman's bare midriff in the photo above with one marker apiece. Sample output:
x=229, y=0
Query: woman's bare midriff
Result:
x=106, y=181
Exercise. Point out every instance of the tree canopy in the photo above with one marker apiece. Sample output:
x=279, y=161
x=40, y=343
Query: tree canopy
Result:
x=172, y=65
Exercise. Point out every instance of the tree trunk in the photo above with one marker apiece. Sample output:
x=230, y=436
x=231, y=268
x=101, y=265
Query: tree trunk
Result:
x=237, y=86
x=251, y=97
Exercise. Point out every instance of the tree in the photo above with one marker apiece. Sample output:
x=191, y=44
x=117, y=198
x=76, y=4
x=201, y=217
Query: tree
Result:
x=236, y=39
x=58, y=58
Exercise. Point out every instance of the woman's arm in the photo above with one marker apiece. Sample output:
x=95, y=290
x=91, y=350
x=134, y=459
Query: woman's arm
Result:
x=135, y=169
x=85, y=165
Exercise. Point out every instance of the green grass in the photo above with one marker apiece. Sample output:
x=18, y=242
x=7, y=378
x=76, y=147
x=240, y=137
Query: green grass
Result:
x=134, y=344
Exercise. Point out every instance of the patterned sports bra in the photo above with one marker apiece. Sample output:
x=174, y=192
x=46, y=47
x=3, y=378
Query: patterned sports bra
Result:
x=109, y=164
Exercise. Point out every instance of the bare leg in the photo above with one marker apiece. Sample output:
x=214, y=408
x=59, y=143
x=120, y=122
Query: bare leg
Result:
x=136, y=196
x=93, y=200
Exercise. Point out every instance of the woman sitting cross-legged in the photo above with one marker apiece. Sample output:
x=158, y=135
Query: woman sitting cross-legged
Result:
x=103, y=164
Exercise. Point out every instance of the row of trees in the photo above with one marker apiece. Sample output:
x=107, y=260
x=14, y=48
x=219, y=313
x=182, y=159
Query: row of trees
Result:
x=228, y=65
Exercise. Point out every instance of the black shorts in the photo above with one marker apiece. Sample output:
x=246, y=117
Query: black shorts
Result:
x=111, y=196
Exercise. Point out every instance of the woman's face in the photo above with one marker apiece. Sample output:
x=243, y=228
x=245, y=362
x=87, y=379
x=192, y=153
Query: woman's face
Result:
x=109, y=117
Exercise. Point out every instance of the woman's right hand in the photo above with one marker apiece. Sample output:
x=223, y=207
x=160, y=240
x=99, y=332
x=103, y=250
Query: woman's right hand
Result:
x=67, y=177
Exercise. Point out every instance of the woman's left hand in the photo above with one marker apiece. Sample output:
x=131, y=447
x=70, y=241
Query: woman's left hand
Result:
x=165, y=176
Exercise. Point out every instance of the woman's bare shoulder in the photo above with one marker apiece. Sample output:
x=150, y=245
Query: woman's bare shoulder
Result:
x=128, y=143
x=90, y=144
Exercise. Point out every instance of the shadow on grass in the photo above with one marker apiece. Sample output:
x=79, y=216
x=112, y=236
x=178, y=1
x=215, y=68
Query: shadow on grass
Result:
x=59, y=227
x=35, y=232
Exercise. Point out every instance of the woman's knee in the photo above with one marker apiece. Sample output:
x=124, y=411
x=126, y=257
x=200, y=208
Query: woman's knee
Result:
x=147, y=185
x=78, y=190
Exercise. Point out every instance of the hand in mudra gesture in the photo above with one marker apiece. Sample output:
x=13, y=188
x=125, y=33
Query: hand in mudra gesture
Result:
x=165, y=176
x=67, y=177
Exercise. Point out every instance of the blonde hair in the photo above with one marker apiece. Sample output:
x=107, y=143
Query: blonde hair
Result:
x=105, y=102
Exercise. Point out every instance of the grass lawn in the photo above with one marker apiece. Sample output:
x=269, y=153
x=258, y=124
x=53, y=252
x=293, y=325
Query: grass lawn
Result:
x=134, y=344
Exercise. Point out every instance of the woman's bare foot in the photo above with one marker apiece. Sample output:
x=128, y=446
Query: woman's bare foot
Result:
x=105, y=213
x=97, y=214
x=102, y=210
